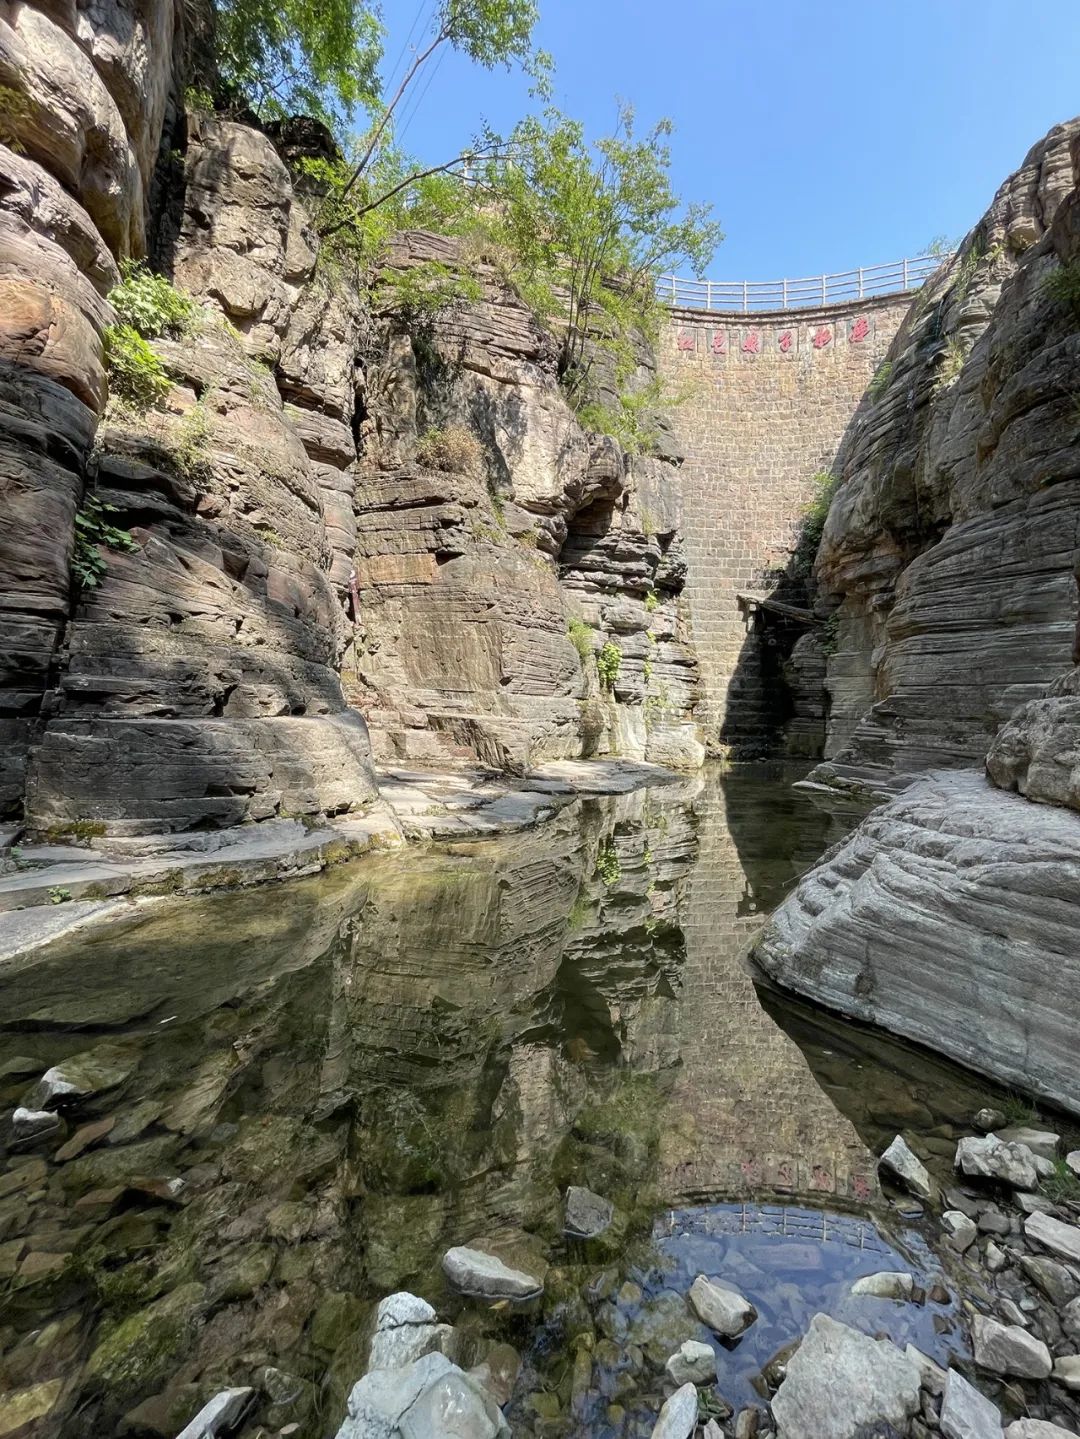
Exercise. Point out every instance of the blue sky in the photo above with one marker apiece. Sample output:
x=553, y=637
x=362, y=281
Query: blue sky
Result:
x=826, y=133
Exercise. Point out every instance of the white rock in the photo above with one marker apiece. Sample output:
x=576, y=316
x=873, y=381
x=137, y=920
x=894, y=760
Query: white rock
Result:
x=406, y=1328
x=932, y=1375
x=996, y=1259
x=1067, y=1371
x=33, y=1123
x=901, y=1164
x=428, y=1399
x=1072, y=1159
x=1043, y=1143
x=1060, y=1238
x=221, y=1413
x=967, y=1414
x=471, y=1271
x=723, y=1309
x=839, y=1379
x=692, y=1363
x=961, y=1230
x=989, y=1157
x=1037, y=1429
x=678, y=1418
x=886, y=1285
x=1008, y=1349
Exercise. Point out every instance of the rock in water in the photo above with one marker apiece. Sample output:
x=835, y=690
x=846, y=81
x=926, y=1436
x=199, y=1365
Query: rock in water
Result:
x=678, y=1418
x=428, y=1399
x=692, y=1363
x=989, y=1157
x=1060, y=1238
x=723, y=1309
x=839, y=1380
x=221, y=1414
x=885, y=1285
x=906, y=1168
x=1008, y=1349
x=406, y=1328
x=471, y=1271
x=967, y=1414
x=587, y=1214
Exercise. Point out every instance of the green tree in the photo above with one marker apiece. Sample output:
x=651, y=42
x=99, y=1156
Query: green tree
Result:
x=589, y=227
x=309, y=57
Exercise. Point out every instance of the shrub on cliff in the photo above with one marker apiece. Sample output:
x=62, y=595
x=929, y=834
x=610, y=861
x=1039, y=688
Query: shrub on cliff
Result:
x=587, y=228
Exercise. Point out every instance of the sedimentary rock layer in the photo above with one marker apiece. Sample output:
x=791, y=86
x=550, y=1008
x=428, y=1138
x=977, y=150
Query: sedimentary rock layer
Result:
x=948, y=553
x=950, y=916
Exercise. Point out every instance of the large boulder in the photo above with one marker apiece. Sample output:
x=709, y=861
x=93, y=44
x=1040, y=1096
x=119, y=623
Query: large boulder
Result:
x=839, y=1380
x=951, y=916
x=427, y=1399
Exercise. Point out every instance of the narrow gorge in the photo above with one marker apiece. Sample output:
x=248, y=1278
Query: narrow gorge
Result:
x=537, y=898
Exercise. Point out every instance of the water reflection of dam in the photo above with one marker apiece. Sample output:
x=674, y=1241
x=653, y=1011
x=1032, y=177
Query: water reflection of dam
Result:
x=747, y=1115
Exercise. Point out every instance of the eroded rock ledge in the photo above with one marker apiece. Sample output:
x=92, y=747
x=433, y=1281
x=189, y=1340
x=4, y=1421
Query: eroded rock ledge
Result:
x=951, y=916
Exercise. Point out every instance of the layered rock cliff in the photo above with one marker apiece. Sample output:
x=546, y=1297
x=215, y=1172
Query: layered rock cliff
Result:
x=952, y=914
x=291, y=469
x=947, y=557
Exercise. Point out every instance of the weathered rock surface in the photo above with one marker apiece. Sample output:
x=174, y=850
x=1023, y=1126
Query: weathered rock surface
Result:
x=948, y=552
x=1060, y=1238
x=474, y=558
x=839, y=1380
x=406, y=1328
x=428, y=1399
x=1008, y=1349
x=218, y=1416
x=472, y=1271
x=965, y=1413
x=906, y=1168
x=994, y=1157
x=722, y=1308
x=587, y=1215
x=886, y=1285
x=1036, y=1429
x=692, y=1363
x=678, y=1417
x=951, y=916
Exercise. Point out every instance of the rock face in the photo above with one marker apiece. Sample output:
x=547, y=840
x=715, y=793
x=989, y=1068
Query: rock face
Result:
x=948, y=553
x=839, y=1380
x=951, y=916
x=289, y=471
x=487, y=519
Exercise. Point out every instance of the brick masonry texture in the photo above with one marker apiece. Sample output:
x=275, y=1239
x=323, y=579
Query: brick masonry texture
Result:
x=766, y=400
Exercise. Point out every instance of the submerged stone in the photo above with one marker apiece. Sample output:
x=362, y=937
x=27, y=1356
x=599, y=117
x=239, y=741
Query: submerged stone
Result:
x=21, y=1408
x=678, y=1417
x=886, y=1285
x=588, y=1215
x=471, y=1271
x=82, y=1075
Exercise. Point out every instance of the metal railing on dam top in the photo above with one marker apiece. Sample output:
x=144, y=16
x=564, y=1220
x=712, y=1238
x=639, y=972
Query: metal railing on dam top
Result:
x=745, y=296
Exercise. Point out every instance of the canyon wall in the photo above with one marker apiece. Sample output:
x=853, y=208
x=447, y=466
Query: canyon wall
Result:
x=763, y=403
x=952, y=914
x=295, y=464
x=948, y=554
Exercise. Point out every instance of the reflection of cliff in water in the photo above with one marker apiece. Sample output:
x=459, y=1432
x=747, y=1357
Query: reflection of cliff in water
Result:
x=748, y=1115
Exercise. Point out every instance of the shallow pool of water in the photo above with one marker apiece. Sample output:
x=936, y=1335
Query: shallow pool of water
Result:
x=350, y=1074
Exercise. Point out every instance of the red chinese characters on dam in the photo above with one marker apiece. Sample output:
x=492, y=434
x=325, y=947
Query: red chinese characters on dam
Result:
x=787, y=341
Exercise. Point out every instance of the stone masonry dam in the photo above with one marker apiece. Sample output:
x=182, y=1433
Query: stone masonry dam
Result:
x=765, y=398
